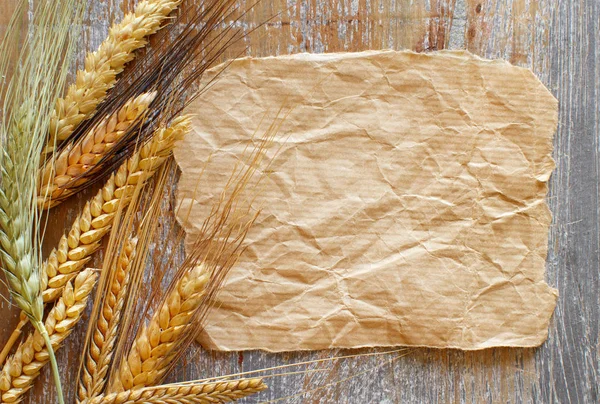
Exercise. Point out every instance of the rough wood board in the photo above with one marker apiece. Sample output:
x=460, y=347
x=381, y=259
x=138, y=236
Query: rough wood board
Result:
x=559, y=41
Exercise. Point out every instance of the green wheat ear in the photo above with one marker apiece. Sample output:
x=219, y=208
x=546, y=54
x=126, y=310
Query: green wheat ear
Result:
x=34, y=63
x=19, y=257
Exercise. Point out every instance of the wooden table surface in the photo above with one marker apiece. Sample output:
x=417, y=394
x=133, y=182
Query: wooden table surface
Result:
x=560, y=42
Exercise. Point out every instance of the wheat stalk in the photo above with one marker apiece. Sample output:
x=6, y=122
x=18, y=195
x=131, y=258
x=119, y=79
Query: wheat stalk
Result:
x=21, y=369
x=57, y=178
x=13, y=337
x=216, y=392
x=99, y=354
x=156, y=343
x=102, y=66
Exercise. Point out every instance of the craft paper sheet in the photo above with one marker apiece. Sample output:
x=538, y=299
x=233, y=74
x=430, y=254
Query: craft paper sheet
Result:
x=405, y=206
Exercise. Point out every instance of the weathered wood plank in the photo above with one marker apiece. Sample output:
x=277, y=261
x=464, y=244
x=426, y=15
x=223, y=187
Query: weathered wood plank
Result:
x=559, y=41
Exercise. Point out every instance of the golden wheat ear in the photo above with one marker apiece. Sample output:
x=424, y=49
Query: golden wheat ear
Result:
x=58, y=176
x=21, y=369
x=186, y=393
x=170, y=70
x=156, y=343
x=96, y=220
x=75, y=248
x=103, y=66
x=177, y=318
x=105, y=331
x=122, y=275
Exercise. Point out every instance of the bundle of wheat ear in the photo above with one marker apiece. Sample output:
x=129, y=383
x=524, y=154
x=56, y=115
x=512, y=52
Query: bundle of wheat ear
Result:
x=117, y=123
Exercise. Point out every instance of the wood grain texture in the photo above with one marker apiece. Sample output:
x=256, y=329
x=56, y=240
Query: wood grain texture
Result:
x=559, y=41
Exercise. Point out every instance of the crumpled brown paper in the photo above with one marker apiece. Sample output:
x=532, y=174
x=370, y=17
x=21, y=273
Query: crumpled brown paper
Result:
x=406, y=205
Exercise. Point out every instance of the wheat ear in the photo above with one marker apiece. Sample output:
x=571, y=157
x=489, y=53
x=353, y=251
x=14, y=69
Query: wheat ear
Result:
x=156, y=342
x=21, y=369
x=103, y=65
x=58, y=176
x=218, y=246
x=217, y=392
x=104, y=335
x=75, y=248
x=18, y=242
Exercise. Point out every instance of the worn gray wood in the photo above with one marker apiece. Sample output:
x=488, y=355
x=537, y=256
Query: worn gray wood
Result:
x=559, y=41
